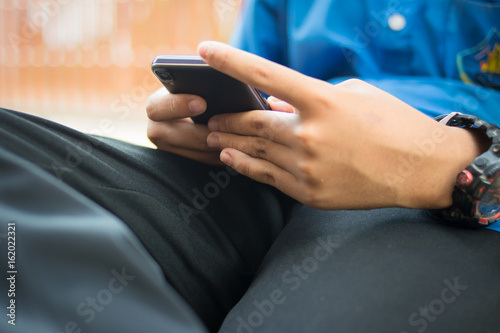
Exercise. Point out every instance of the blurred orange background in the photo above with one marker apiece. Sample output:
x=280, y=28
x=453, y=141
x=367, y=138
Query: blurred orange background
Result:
x=86, y=63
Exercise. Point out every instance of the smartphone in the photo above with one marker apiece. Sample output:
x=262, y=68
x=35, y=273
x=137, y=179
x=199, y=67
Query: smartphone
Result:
x=223, y=94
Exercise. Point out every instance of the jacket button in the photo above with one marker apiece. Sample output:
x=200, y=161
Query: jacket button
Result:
x=397, y=22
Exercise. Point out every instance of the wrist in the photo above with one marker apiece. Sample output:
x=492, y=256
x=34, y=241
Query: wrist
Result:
x=467, y=145
x=432, y=187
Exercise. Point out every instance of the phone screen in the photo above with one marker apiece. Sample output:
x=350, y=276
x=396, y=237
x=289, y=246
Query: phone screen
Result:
x=223, y=94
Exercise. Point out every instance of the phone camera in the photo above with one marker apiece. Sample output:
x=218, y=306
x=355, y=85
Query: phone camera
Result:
x=165, y=77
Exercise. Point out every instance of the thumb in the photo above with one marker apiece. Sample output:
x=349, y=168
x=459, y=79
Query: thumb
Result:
x=280, y=105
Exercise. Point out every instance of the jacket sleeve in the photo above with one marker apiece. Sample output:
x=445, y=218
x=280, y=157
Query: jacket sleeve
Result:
x=261, y=29
x=436, y=96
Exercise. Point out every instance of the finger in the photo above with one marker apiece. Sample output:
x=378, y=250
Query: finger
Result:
x=179, y=134
x=260, y=170
x=272, y=78
x=274, y=126
x=261, y=148
x=163, y=106
x=279, y=105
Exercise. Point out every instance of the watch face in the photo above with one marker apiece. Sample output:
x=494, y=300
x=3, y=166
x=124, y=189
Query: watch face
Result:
x=488, y=207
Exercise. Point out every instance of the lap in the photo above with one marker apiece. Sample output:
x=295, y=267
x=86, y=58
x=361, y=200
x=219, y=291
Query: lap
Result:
x=388, y=270
x=73, y=266
x=207, y=227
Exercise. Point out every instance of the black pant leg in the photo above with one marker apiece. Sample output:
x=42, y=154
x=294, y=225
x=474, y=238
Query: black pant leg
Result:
x=387, y=270
x=71, y=266
x=207, y=227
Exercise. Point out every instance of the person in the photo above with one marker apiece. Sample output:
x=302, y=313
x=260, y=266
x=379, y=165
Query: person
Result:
x=118, y=237
x=351, y=144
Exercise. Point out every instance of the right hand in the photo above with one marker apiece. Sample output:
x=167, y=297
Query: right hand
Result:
x=348, y=146
x=170, y=127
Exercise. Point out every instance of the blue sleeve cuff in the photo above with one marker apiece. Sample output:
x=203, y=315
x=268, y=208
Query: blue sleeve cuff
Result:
x=435, y=96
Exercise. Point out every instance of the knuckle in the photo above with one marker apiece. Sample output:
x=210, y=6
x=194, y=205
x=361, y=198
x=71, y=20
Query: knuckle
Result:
x=155, y=102
x=307, y=138
x=155, y=133
x=355, y=86
x=257, y=123
x=267, y=177
x=351, y=82
x=228, y=124
x=172, y=104
x=264, y=127
x=259, y=72
x=241, y=146
x=313, y=193
x=260, y=152
x=323, y=99
x=150, y=109
x=308, y=172
x=260, y=148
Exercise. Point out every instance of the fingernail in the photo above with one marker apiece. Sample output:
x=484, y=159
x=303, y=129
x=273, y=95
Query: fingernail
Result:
x=274, y=99
x=205, y=49
x=196, y=107
x=225, y=158
x=213, y=141
x=213, y=125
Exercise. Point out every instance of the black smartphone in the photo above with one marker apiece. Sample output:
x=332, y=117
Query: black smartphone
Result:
x=223, y=94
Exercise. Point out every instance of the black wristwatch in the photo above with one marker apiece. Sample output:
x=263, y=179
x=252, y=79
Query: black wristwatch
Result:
x=476, y=195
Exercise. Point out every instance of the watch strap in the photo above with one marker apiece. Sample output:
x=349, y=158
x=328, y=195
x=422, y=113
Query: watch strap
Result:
x=476, y=194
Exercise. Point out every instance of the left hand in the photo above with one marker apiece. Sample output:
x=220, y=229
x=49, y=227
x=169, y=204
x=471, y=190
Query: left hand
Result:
x=346, y=146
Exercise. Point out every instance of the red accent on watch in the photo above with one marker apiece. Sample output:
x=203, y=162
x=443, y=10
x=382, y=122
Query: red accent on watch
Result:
x=481, y=190
x=483, y=221
x=464, y=178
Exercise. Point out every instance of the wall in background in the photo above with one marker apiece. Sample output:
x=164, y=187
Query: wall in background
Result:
x=86, y=63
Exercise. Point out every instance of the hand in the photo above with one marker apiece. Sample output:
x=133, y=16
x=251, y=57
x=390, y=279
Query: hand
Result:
x=170, y=127
x=349, y=146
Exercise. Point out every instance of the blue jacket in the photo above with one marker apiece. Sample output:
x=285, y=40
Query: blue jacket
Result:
x=437, y=55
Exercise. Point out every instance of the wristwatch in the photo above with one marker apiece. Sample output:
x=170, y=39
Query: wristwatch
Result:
x=476, y=194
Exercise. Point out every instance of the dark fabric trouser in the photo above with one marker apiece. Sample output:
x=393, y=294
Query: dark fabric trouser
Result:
x=389, y=270
x=206, y=227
